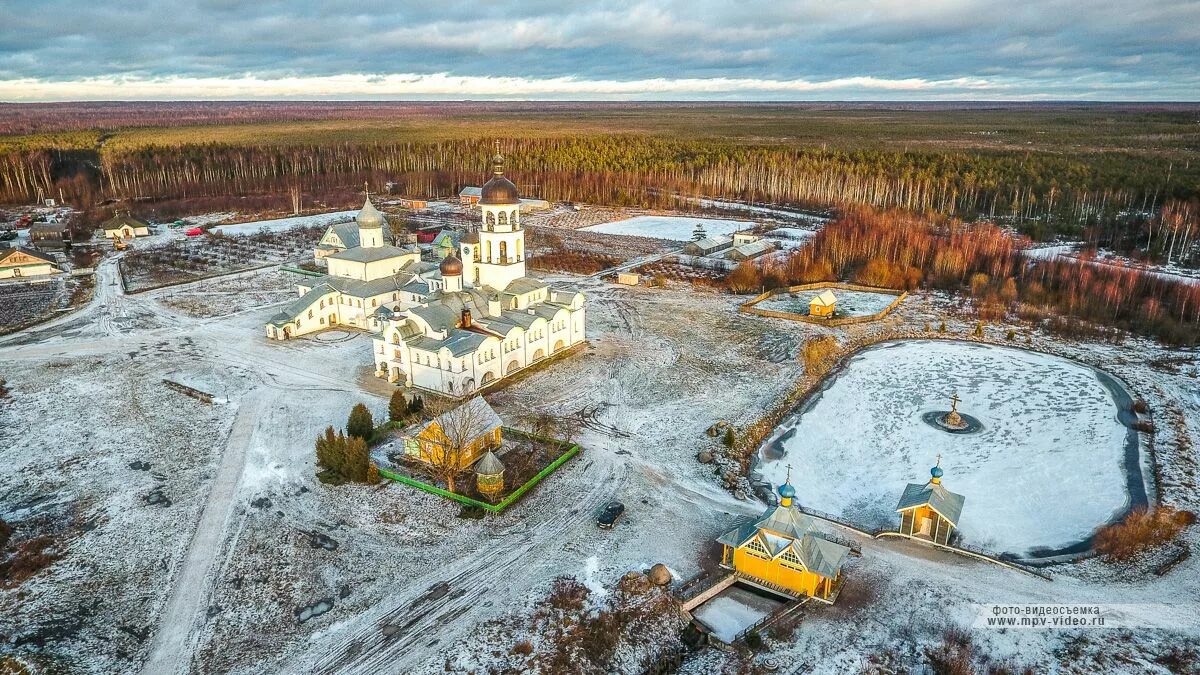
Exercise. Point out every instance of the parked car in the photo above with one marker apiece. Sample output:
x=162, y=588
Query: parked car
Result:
x=610, y=514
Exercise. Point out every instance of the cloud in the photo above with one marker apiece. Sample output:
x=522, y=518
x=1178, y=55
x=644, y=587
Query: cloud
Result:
x=62, y=49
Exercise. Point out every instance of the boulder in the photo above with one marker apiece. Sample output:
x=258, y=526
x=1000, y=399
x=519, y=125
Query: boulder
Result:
x=704, y=457
x=660, y=575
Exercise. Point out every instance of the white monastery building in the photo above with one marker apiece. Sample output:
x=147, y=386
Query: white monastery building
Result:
x=449, y=327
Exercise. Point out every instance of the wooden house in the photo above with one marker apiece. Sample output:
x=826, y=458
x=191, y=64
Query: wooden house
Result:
x=49, y=236
x=628, y=278
x=124, y=226
x=929, y=511
x=20, y=263
x=470, y=195
x=781, y=551
x=461, y=435
x=823, y=305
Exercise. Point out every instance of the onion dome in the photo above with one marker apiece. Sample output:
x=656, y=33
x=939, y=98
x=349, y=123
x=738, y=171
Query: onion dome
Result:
x=499, y=190
x=369, y=216
x=786, y=491
x=451, y=266
x=936, y=472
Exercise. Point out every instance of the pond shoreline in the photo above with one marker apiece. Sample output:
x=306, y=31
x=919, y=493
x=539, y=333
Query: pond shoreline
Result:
x=1136, y=491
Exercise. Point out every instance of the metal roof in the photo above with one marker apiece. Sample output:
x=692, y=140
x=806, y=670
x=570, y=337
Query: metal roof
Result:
x=371, y=254
x=825, y=298
x=478, y=413
x=489, y=465
x=945, y=502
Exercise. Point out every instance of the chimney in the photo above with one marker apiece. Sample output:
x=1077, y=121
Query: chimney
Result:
x=466, y=319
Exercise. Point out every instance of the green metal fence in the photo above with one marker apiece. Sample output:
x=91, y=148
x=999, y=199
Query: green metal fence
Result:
x=507, y=501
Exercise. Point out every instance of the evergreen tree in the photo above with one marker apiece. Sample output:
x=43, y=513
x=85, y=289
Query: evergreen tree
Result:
x=398, y=407
x=729, y=438
x=327, y=453
x=360, y=424
x=372, y=474
x=357, y=459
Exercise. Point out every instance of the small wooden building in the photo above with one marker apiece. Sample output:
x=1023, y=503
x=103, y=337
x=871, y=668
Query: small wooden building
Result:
x=745, y=237
x=783, y=552
x=470, y=195
x=930, y=511
x=49, y=236
x=707, y=245
x=628, y=278
x=413, y=203
x=20, y=263
x=460, y=435
x=823, y=305
x=489, y=475
x=124, y=226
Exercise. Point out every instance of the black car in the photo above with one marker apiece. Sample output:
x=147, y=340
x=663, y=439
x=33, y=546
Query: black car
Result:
x=608, y=517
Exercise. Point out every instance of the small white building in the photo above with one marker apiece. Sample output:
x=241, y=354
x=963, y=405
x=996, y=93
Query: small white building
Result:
x=124, y=226
x=745, y=237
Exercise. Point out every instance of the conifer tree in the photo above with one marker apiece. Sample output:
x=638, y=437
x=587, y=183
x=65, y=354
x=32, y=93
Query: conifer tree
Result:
x=357, y=459
x=398, y=407
x=360, y=424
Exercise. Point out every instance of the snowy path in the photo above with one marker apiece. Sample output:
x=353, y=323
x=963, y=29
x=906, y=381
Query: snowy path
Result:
x=174, y=640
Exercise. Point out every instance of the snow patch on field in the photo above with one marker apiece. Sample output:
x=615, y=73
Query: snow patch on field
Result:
x=281, y=224
x=676, y=228
x=1046, y=469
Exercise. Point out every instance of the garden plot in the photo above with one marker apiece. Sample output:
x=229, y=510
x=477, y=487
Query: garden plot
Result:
x=206, y=256
x=849, y=303
x=320, y=220
x=23, y=304
x=674, y=228
x=1045, y=471
x=229, y=294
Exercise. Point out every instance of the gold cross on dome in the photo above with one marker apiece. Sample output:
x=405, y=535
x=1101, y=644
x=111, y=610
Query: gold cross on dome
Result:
x=954, y=400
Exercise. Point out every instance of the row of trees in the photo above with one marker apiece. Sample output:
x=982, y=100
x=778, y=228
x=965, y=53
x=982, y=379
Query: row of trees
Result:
x=348, y=454
x=987, y=263
x=1032, y=188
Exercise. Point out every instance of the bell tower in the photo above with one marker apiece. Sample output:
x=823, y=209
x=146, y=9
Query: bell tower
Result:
x=501, y=247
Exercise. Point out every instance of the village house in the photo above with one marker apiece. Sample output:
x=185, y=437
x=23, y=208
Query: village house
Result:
x=49, y=236
x=124, y=226
x=782, y=552
x=707, y=245
x=824, y=304
x=930, y=511
x=459, y=436
x=21, y=263
x=449, y=327
x=413, y=203
x=445, y=243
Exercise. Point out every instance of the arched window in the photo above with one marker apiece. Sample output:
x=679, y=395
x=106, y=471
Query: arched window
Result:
x=503, y=252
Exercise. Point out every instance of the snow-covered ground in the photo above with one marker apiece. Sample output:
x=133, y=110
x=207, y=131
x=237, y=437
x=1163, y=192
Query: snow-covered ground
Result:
x=675, y=228
x=1046, y=469
x=281, y=224
x=849, y=303
x=227, y=577
x=770, y=211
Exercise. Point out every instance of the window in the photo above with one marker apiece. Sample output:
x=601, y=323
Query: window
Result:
x=756, y=549
x=310, y=313
x=372, y=302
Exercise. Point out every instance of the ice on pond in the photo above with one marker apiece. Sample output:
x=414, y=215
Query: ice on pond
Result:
x=735, y=610
x=1046, y=469
x=677, y=228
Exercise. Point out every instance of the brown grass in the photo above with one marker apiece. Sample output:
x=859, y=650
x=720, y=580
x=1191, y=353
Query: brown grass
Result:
x=1142, y=530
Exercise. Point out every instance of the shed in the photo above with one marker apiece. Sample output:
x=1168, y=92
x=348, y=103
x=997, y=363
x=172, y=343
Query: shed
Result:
x=49, y=235
x=707, y=245
x=628, y=278
x=750, y=250
x=824, y=304
x=124, y=226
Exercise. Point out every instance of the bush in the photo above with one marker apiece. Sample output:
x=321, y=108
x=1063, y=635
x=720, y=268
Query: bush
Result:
x=820, y=354
x=5, y=533
x=1142, y=530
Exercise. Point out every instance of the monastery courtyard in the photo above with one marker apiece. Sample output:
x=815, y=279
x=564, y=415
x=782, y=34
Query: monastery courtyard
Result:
x=216, y=508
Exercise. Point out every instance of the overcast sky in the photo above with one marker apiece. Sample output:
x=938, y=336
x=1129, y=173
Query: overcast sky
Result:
x=579, y=49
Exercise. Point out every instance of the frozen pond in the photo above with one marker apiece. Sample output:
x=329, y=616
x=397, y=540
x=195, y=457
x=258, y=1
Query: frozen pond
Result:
x=676, y=228
x=734, y=610
x=849, y=303
x=281, y=224
x=1048, y=467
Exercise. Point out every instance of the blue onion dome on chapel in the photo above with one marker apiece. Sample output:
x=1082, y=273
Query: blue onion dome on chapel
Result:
x=936, y=472
x=786, y=491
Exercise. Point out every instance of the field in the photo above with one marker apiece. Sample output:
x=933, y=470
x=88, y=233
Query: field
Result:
x=202, y=534
x=673, y=228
